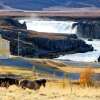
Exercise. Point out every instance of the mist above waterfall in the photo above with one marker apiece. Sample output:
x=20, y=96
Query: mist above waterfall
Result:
x=51, y=26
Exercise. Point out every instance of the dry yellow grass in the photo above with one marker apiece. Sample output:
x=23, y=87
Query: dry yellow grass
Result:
x=54, y=90
x=27, y=74
x=6, y=69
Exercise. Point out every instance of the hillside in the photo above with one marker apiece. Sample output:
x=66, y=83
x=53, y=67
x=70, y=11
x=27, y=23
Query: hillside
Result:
x=50, y=4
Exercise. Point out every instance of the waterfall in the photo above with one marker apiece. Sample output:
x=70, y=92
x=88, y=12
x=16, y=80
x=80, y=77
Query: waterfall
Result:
x=64, y=27
x=50, y=26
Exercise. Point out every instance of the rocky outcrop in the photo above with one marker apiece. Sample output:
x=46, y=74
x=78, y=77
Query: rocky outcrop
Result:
x=88, y=29
x=39, y=44
x=62, y=46
x=8, y=22
x=99, y=59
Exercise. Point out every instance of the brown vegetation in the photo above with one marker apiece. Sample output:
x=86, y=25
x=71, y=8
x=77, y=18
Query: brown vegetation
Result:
x=86, y=77
x=48, y=35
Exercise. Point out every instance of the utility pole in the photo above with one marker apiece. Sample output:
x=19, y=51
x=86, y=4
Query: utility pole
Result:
x=19, y=43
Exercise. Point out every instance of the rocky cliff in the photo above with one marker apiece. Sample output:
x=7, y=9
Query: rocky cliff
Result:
x=39, y=44
x=88, y=28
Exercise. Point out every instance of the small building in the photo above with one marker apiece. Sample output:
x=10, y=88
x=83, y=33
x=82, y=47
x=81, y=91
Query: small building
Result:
x=4, y=48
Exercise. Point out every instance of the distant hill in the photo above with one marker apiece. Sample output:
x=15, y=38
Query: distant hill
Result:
x=6, y=7
x=50, y=4
x=2, y=6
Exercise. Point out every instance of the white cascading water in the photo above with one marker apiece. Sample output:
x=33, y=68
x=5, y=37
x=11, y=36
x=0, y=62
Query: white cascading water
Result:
x=50, y=26
x=64, y=27
x=85, y=57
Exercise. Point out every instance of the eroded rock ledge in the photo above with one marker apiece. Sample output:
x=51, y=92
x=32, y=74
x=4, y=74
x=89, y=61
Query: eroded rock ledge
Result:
x=39, y=44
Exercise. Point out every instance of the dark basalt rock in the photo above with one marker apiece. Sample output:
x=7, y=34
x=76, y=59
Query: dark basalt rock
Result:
x=7, y=21
x=90, y=39
x=44, y=47
x=31, y=45
x=88, y=29
x=99, y=59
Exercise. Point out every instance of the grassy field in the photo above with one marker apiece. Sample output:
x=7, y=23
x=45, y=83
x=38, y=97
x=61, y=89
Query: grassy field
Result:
x=64, y=67
x=52, y=91
x=56, y=89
